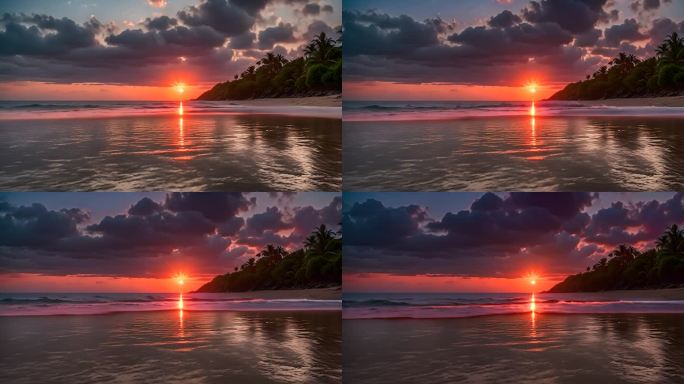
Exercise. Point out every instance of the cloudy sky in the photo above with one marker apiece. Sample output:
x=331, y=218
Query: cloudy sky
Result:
x=136, y=49
x=488, y=49
x=491, y=242
x=97, y=242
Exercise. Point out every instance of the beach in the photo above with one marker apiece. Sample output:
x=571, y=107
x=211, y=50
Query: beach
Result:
x=632, y=294
x=314, y=101
x=671, y=101
x=520, y=348
x=149, y=146
x=330, y=293
x=499, y=146
x=173, y=347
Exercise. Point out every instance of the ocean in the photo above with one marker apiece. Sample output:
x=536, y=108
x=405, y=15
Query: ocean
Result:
x=457, y=305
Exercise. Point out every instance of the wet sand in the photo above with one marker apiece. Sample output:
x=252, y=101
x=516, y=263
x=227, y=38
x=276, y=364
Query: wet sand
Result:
x=609, y=153
x=330, y=293
x=636, y=294
x=202, y=152
x=170, y=347
x=316, y=101
x=546, y=348
x=673, y=101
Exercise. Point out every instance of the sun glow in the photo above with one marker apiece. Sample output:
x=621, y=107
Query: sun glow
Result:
x=532, y=87
x=533, y=110
x=180, y=88
x=180, y=109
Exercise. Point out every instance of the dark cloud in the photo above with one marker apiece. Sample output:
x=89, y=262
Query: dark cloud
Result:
x=160, y=23
x=627, y=31
x=216, y=206
x=145, y=207
x=226, y=17
x=575, y=16
x=311, y=9
x=504, y=19
x=500, y=235
x=282, y=33
x=214, y=231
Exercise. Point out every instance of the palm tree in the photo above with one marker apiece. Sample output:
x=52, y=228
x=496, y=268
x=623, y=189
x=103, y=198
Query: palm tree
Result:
x=322, y=241
x=671, y=51
x=625, y=62
x=672, y=241
x=273, y=62
x=321, y=49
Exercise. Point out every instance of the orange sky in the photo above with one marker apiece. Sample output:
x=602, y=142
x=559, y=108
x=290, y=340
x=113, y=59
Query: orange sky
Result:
x=382, y=282
x=30, y=90
x=380, y=90
x=25, y=282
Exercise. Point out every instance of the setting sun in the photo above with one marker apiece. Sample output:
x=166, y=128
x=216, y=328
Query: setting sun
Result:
x=180, y=87
x=532, y=87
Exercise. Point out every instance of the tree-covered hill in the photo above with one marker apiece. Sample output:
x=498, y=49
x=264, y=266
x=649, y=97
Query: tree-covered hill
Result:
x=317, y=264
x=627, y=268
x=627, y=76
x=319, y=72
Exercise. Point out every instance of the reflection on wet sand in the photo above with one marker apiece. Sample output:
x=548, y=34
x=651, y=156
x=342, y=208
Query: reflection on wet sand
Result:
x=167, y=346
x=531, y=152
x=557, y=348
x=188, y=152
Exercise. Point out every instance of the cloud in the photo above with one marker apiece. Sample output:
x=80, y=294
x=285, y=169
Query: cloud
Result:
x=207, y=33
x=628, y=31
x=504, y=19
x=208, y=232
x=561, y=39
x=500, y=235
x=311, y=9
x=282, y=33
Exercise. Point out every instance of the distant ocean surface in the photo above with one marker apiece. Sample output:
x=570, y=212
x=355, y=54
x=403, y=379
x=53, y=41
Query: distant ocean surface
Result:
x=12, y=110
x=458, y=305
x=444, y=110
x=45, y=304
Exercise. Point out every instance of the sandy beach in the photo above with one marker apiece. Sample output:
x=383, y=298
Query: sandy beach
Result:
x=637, y=294
x=330, y=293
x=316, y=101
x=673, y=101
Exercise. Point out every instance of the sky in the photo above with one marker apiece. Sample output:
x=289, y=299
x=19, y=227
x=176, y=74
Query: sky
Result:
x=138, y=49
x=138, y=242
x=491, y=242
x=491, y=49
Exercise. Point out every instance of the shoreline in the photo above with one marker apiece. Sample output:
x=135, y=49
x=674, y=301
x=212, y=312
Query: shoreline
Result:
x=329, y=293
x=668, y=101
x=663, y=294
x=313, y=101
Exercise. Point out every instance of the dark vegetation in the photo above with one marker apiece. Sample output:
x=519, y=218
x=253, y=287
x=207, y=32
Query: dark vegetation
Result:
x=318, y=73
x=318, y=264
x=627, y=76
x=627, y=268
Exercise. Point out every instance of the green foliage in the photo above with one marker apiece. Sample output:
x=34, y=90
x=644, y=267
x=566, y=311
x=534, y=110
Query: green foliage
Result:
x=627, y=76
x=319, y=72
x=627, y=268
x=317, y=264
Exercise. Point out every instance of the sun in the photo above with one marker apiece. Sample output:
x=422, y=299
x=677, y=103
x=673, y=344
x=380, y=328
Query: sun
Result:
x=180, y=279
x=180, y=88
x=532, y=279
x=532, y=87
